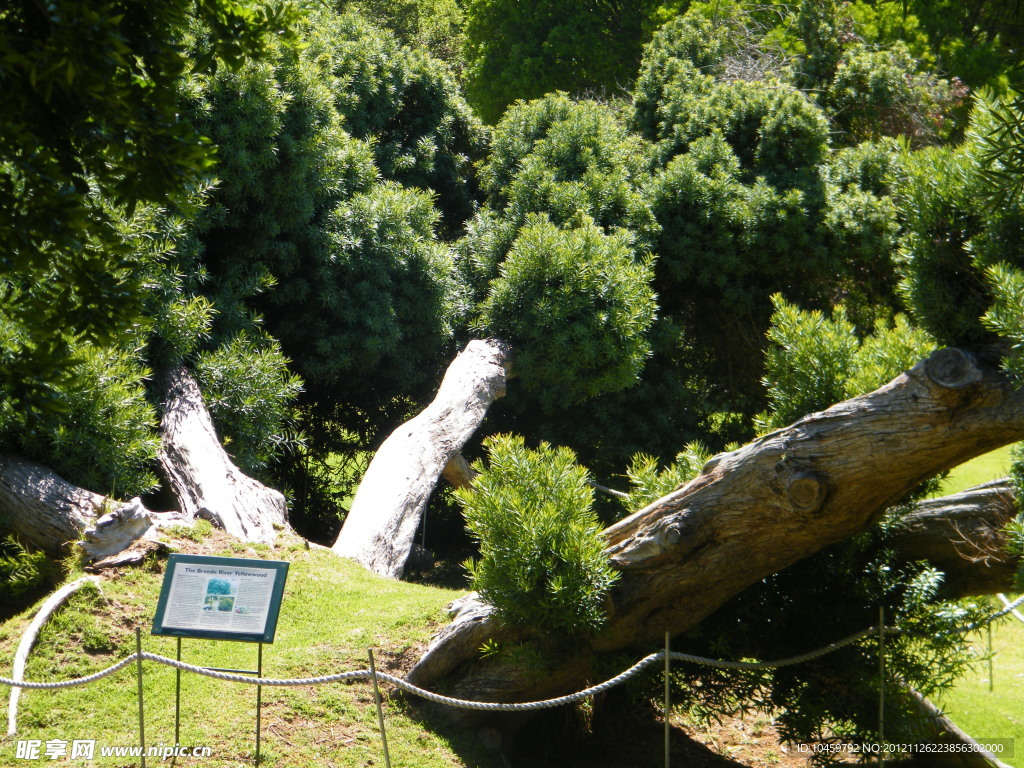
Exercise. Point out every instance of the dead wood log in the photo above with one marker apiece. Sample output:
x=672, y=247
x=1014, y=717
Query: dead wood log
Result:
x=758, y=509
x=41, y=508
x=963, y=536
x=389, y=503
x=202, y=476
x=48, y=513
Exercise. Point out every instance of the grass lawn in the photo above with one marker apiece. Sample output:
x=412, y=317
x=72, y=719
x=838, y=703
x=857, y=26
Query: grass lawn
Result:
x=333, y=611
x=978, y=470
x=996, y=714
x=999, y=713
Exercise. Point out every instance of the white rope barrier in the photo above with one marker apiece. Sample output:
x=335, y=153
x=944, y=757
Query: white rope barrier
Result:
x=365, y=674
x=1011, y=607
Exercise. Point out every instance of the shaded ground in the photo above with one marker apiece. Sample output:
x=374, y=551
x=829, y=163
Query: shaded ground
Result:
x=637, y=740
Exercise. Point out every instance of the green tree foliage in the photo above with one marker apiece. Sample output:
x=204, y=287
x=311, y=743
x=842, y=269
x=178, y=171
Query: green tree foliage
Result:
x=953, y=234
x=576, y=164
x=518, y=49
x=23, y=572
x=558, y=259
x=345, y=270
x=435, y=26
x=577, y=308
x=542, y=563
x=648, y=481
x=750, y=199
x=816, y=361
x=423, y=133
x=875, y=93
x=91, y=115
x=970, y=39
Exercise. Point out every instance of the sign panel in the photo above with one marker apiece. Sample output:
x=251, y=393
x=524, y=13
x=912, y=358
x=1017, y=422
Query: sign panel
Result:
x=221, y=598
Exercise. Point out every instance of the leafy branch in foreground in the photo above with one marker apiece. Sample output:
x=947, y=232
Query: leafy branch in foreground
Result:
x=542, y=563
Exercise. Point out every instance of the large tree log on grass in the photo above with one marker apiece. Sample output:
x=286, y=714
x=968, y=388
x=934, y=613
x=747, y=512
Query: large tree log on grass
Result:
x=389, y=503
x=42, y=508
x=202, y=476
x=48, y=513
x=762, y=507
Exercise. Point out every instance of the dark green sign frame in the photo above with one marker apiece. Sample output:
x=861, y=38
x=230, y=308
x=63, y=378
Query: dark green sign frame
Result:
x=220, y=598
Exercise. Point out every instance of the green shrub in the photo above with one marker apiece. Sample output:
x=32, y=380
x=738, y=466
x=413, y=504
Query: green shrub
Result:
x=576, y=307
x=816, y=361
x=648, y=482
x=954, y=233
x=21, y=570
x=542, y=562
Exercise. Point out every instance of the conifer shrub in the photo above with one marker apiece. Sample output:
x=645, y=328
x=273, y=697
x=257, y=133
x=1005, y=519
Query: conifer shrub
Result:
x=815, y=361
x=577, y=308
x=953, y=234
x=542, y=563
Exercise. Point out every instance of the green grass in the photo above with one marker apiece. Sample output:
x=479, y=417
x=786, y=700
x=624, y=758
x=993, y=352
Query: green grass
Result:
x=332, y=613
x=999, y=713
x=996, y=714
x=978, y=470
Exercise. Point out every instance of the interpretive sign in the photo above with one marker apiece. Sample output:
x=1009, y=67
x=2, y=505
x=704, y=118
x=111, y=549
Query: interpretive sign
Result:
x=221, y=598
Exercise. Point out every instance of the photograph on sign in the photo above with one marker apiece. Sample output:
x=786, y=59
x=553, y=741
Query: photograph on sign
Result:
x=220, y=597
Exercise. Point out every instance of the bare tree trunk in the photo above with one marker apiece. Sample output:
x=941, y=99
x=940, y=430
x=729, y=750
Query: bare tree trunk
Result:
x=202, y=476
x=49, y=513
x=756, y=510
x=963, y=536
x=379, y=529
x=42, y=508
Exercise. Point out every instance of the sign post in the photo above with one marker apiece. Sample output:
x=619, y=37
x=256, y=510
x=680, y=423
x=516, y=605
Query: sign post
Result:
x=221, y=598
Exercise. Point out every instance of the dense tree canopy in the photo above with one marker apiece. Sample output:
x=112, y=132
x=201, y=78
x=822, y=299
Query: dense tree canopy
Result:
x=688, y=223
x=91, y=128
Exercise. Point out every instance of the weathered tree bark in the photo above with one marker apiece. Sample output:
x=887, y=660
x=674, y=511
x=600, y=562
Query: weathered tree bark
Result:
x=386, y=511
x=457, y=472
x=47, y=512
x=202, y=476
x=42, y=508
x=756, y=510
x=963, y=536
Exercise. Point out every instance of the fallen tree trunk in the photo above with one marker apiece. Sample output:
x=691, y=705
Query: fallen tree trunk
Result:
x=48, y=513
x=202, y=476
x=389, y=503
x=42, y=508
x=758, y=509
x=963, y=536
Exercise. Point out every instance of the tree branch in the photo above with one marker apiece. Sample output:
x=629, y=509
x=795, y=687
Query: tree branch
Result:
x=756, y=510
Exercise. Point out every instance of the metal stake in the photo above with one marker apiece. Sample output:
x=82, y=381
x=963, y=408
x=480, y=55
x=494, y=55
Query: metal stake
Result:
x=177, y=699
x=881, y=685
x=991, y=670
x=259, y=698
x=142, y=710
x=668, y=728
x=380, y=710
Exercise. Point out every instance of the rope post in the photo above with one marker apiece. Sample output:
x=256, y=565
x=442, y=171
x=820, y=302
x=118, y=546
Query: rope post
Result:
x=142, y=710
x=668, y=728
x=177, y=698
x=259, y=699
x=991, y=669
x=881, y=685
x=380, y=711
